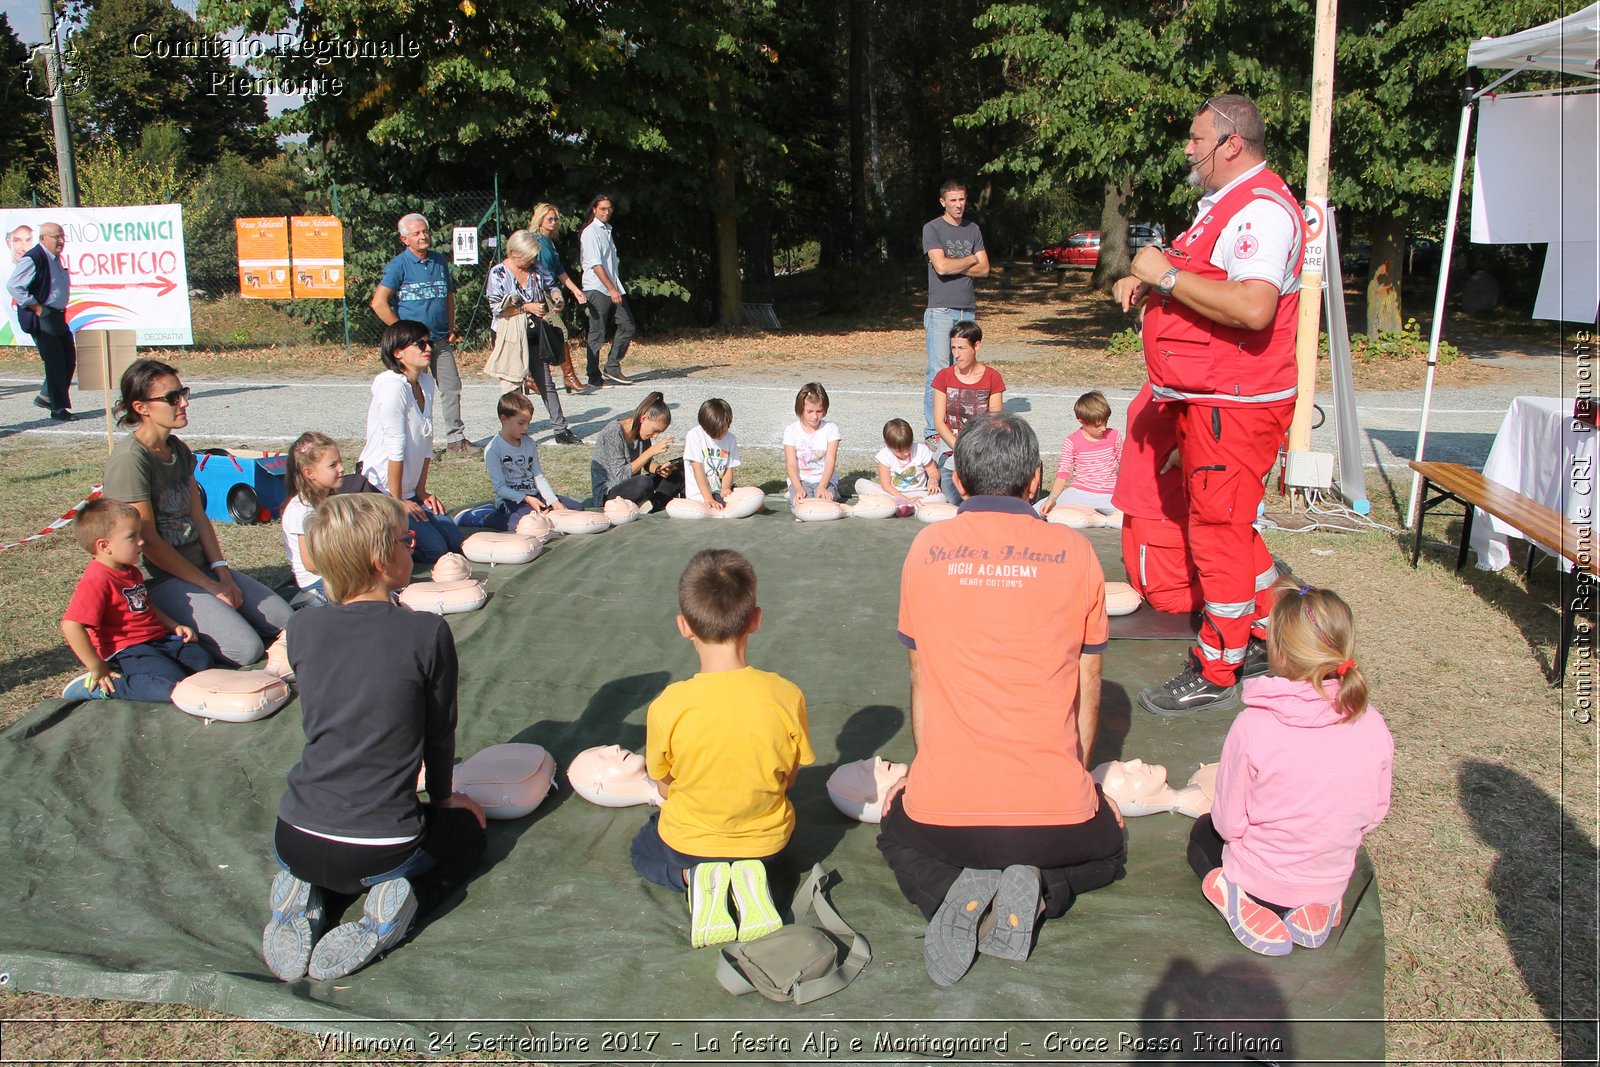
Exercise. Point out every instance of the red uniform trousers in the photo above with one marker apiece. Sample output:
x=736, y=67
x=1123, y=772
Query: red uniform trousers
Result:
x=1156, y=555
x=1227, y=452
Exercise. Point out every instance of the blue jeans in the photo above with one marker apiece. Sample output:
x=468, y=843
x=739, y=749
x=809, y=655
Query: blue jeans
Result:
x=436, y=535
x=658, y=862
x=150, y=670
x=936, y=326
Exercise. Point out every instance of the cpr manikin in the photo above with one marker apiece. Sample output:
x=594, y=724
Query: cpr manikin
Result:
x=620, y=511
x=1141, y=788
x=743, y=502
x=612, y=777
x=453, y=588
x=935, y=509
x=533, y=524
x=1079, y=517
x=1122, y=599
x=861, y=789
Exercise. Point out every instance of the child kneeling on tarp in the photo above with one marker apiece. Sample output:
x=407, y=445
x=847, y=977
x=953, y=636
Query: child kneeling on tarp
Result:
x=725, y=746
x=378, y=700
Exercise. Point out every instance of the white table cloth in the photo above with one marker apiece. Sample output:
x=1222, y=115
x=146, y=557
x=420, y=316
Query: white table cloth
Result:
x=1539, y=453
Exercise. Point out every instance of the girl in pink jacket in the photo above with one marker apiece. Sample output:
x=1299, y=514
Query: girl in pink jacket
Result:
x=1305, y=776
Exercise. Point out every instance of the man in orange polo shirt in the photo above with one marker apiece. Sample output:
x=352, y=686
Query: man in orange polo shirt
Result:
x=1004, y=616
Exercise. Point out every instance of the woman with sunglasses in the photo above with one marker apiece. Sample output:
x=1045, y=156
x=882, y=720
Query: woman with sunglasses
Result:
x=399, y=444
x=189, y=577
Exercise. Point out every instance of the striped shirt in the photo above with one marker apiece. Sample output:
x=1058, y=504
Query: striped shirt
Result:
x=1090, y=466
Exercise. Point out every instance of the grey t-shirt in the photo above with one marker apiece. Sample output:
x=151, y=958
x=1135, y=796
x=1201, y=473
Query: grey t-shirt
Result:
x=134, y=473
x=951, y=291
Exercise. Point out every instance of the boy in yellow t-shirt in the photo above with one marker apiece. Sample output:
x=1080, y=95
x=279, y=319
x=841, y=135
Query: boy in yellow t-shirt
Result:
x=725, y=746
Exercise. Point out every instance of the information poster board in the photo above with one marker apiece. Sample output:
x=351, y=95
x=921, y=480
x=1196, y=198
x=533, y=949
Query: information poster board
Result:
x=263, y=258
x=317, y=254
x=128, y=265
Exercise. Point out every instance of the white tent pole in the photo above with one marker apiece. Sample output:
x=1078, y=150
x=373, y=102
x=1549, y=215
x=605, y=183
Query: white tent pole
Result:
x=1438, y=300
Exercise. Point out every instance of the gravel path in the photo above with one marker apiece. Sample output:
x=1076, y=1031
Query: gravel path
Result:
x=269, y=414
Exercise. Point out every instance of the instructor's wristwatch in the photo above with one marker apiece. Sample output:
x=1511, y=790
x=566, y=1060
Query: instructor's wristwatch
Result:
x=1167, y=281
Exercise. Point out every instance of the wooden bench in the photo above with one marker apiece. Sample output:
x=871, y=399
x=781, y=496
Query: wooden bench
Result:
x=1544, y=526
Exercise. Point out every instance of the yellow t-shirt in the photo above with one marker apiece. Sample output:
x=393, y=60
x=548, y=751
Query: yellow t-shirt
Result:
x=731, y=741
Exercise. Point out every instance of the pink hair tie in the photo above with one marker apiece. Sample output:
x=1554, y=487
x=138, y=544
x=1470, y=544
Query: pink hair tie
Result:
x=1344, y=667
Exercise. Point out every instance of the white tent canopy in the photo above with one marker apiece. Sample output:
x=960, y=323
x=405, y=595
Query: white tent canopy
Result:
x=1569, y=46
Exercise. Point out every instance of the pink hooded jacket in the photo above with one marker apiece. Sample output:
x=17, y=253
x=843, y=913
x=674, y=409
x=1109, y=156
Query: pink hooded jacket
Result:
x=1297, y=791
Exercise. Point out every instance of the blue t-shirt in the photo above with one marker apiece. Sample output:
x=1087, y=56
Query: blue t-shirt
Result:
x=549, y=263
x=422, y=288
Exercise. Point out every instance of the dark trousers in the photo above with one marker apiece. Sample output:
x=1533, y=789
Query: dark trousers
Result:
x=658, y=862
x=656, y=488
x=59, y=353
x=151, y=670
x=1205, y=856
x=600, y=307
x=1075, y=859
x=435, y=864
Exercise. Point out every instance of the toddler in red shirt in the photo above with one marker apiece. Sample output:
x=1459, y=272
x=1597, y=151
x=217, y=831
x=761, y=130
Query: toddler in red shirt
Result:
x=132, y=650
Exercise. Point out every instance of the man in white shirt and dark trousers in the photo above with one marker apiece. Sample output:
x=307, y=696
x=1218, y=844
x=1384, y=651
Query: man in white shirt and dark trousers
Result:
x=41, y=287
x=602, y=285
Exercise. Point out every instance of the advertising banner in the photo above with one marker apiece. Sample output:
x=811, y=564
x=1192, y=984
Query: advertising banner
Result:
x=263, y=258
x=318, y=254
x=128, y=267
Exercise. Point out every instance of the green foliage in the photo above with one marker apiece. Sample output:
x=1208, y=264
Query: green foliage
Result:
x=1125, y=343
x=1405, y=345
x=24, y=119
x=136, y=63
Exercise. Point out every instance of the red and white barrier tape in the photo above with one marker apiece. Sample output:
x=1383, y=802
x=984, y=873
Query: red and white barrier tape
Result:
x=65, y=520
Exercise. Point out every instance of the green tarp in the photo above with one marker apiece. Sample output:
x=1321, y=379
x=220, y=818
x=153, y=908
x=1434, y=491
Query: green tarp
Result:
x=136, y=846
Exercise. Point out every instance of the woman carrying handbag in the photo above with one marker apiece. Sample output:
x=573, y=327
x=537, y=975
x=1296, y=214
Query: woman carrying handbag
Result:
x=516, y=299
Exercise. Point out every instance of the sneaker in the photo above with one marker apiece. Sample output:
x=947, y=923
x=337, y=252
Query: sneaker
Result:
x=567, y=437
x=1188, y=693
x=1310, y=924
x=758, y=916
x=62, y=415
x=1258, y=929
x=297, y=920
x=616, y=377
x=1016, y=909
x=647, y=507
x=385, y=920
x=710, y=922
x=1255, y=659
x=463, y=446
x=952, y=940
x=79, y=689
x=41, y=401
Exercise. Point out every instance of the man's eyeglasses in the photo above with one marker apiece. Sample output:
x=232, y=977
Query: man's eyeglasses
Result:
x=170, y=398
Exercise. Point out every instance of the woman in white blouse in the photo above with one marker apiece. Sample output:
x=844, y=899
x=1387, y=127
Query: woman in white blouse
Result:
x=399, y=444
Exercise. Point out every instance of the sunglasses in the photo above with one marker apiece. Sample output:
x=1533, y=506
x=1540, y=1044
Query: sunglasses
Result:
x=424, y=343
x=169, y=398
x=409, y=539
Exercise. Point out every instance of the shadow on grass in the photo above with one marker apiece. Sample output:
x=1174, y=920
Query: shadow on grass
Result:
x=1236, y=1007
x=1544, y=888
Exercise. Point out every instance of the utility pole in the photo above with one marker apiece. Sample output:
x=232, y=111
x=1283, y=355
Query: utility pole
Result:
x=58, y=107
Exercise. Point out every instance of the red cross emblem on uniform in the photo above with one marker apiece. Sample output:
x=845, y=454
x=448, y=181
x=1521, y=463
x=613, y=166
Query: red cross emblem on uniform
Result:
x=1245, y=246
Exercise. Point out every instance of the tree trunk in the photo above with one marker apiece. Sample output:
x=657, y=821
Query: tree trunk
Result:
x=725, y=217
x=1385, y=273
x=1114, y=257
x=858, y=130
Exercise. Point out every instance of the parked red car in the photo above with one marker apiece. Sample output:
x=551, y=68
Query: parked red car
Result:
x=1081, y=251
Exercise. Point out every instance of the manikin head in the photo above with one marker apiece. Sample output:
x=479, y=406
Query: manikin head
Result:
x=860, y=789
x=1131, y=779
x=612, y=777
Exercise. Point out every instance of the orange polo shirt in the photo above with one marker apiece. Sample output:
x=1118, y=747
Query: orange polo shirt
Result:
x=999, y=606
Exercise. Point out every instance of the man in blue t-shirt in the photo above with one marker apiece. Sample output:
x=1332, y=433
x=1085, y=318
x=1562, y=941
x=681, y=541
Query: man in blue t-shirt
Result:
x=416, y=285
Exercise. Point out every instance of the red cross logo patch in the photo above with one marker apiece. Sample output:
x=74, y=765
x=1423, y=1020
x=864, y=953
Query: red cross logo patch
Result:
x=1245, y=246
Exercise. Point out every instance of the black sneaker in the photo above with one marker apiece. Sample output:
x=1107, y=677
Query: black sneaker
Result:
x=567, y=437
x=616, y=377
x=41, y=401
x=1188, y=693
x=62, y=415
x=1255, y=659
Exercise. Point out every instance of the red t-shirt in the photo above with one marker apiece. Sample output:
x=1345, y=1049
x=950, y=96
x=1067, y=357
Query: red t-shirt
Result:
x=113, y=603
x=999, y=606
x=963, y=401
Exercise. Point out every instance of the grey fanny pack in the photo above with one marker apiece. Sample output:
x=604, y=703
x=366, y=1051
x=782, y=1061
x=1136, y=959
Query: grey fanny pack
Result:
x=799, y=963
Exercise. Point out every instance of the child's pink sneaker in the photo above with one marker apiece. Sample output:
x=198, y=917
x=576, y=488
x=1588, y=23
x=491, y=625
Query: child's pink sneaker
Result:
x=1310, y=924
x=1258, y=929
